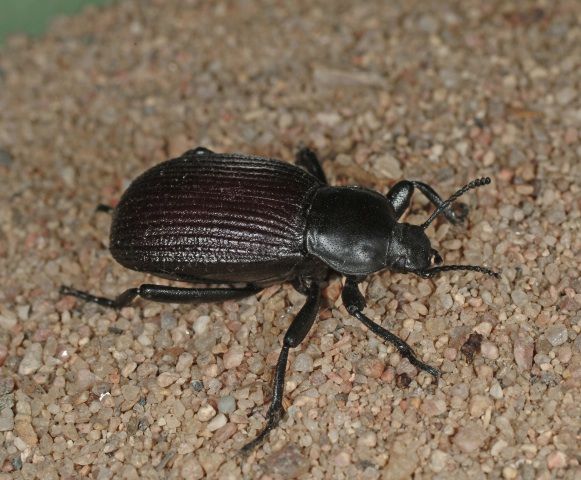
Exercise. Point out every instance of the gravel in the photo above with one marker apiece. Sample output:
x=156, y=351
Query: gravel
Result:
x=442, y=92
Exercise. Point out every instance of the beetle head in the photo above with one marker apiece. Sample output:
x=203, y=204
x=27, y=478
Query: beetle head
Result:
x=410, y=250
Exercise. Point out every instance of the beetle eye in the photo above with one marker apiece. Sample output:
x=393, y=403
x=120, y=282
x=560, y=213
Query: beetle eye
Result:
x=436, y=258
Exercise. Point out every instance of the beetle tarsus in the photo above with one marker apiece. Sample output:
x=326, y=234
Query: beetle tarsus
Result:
x=119, y=302
x=273, y=418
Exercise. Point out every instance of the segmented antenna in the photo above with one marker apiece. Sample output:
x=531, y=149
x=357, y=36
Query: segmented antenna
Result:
x=479, y=182
x=430, y=272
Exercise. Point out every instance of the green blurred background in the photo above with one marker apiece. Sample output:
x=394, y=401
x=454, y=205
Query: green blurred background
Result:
x=33, y=16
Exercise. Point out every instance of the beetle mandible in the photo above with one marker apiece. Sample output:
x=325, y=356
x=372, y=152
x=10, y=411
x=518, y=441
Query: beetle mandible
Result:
x=233, y=219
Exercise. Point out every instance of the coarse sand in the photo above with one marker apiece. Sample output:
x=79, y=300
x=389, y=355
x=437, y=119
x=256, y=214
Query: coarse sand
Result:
x=442, y=92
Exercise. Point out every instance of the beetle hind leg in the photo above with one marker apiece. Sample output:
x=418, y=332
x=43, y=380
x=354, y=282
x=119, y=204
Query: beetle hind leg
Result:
x=164, y=294
x=295, y=334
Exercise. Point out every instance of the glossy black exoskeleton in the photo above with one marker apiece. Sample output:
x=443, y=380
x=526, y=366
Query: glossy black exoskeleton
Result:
x=235, y=219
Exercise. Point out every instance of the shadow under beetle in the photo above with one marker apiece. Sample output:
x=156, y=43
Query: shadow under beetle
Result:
x=217, y=218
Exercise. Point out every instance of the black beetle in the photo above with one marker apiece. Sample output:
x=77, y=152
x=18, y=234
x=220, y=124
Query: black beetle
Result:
x=235, y=219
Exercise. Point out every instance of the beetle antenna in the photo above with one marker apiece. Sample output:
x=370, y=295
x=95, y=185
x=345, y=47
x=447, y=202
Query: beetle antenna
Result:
x=479, y=182
x=430, y=272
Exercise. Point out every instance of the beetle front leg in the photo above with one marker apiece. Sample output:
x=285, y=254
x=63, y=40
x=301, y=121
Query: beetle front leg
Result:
x=355, y=303
x=164, y=294
x=401, y=193
x=295, y=334
x=308, y=159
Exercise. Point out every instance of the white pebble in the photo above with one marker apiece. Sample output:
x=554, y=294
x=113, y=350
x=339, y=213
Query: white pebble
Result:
x=303, y=363
x=556, y=335
x=201, y=324
x=233, y=357
x=217, y=422
x=496, y=391
x=227, y=404
x=489, y=350
x=206, y=413
x=32, y=360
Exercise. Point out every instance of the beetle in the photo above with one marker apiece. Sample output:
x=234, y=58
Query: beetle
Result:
x=233, y=219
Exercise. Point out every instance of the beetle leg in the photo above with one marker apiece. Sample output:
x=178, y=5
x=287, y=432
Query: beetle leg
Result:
x=164, y=294
x=102, y=208
x=295, y=334
x=307, y=158
x=355, y=303
x=401, y=193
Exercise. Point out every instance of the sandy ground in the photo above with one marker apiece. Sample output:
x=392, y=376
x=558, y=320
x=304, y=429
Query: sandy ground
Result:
x=436, y=91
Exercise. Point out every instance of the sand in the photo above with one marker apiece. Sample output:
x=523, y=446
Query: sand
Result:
x=442, y=92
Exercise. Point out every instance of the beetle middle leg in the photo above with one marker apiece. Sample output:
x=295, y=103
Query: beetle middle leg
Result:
x=401, y=193
x=355, y=303
x=295, y=334
x=164, y=294
x=307, y=158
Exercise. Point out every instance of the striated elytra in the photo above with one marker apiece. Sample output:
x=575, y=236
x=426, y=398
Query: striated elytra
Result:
x=233, y=219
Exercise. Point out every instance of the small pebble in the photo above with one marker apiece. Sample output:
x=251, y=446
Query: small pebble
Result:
x=32, y=360
x=552, y=273
x=130, y=392
x=6, y=420
x=523, y=350
x=23, y=428
x=556, y=460
x=227, y=404
x=388, y=166
x=303, y=363
x=519, y=297
x=191, y=469
x=478, y=405
x=434, y=406
x=342, y=459
x=184, y=362
x=566, y=95
x=200, y=325
x=439, y=460
x=509, y=473
x=166, y=379
x=496, y=391
x=489, y=350
x=556, y=335
x=233, y=357
x=469, y=438
x=6, y=160
x=206, y=413
x=403, y=460
x=224, y=433
x=367, y=439
x=288, y=462
x=217, y=422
